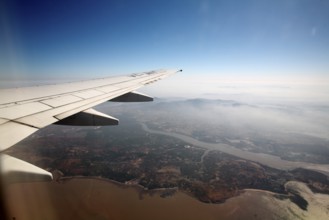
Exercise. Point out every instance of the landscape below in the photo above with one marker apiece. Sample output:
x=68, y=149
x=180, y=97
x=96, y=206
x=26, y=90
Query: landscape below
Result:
x=129, y=154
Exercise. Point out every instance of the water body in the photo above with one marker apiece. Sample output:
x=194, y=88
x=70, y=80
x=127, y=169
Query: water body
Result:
x=99, y=199
x=84, y=198
x=265, y=159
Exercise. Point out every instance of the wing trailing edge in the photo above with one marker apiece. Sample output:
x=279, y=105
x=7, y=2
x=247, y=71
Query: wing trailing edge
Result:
x=12, y=132
x=14, y=170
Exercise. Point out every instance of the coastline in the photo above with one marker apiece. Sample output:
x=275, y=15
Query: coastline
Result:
x=98, y=198
x=142, y=191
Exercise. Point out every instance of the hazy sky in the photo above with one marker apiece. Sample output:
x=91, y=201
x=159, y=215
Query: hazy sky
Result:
x=239, y=39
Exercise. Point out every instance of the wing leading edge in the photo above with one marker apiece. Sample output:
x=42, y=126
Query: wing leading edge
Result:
x=23, y=111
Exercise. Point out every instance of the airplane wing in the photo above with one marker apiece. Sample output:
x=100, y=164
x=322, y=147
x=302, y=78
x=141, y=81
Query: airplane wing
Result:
x=23, y=111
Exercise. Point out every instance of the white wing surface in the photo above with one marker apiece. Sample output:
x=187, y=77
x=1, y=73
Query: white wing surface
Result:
x=25, y=110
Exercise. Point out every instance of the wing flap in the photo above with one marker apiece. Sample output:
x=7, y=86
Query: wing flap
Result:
x=11, y=133
x=88, y=94
x=14, y=170
x=18, y=111
x=2, y=121
x=108, y=89
x=62, y=100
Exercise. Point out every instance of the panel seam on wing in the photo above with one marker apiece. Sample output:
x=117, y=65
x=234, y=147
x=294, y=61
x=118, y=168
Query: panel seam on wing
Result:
x=22, y=123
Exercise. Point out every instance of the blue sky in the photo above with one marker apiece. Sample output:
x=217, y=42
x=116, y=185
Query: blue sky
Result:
x=236, y=38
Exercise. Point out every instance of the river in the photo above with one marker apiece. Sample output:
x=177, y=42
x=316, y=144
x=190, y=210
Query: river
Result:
x=265, y=159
